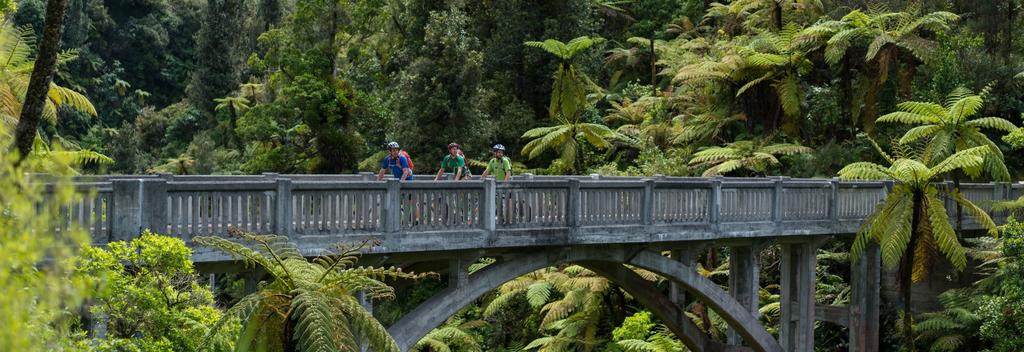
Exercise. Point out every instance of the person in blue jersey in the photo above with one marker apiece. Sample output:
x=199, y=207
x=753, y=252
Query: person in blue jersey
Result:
x=397, y=161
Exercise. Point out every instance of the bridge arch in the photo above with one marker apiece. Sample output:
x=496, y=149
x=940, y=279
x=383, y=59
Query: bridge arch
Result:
x=607, y=262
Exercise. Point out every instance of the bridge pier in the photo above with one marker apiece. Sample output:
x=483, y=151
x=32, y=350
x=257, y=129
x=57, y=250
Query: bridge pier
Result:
x=798, y=280
x=687, y=256
x=744, y=281
x=865, y=274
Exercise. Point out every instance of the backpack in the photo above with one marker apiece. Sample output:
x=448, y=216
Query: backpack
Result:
x=407, y=158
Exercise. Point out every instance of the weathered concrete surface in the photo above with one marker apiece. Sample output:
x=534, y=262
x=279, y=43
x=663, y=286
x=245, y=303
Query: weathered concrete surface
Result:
x=796, y=329
x=744, y=281
x=599, y=219
x=435, y=310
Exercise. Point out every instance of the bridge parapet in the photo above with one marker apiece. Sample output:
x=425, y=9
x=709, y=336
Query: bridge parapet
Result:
x=524, y=212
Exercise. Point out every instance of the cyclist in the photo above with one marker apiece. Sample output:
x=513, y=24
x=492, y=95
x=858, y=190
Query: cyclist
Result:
x=500, y=166
x=397, y=162
x=454, y=163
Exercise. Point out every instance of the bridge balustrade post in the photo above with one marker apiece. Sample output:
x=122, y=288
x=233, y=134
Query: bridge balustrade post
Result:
x=865, y=275
x=796, y=328
x=647, y=210
x=393, y=206
x=744, y=281
x=715, y=208
x=777, y=202
x=572, y=206
x=488, y=211
x=283, y=207
x=833, y=204
x=154, y=205
x=126, y=220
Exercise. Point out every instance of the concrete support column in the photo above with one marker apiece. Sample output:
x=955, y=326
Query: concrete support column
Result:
x=458, y=271
x=213, y=284
x=744, y=282
x=367, y=303
x=796, y=328
x=688, y=256
x=864, y=301
x=251, y=282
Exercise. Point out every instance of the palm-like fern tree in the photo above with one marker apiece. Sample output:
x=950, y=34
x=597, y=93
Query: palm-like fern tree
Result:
x=568, y=99
x=886, y=39
x=16, y=63
x=756, y=15
x=574, y=318
x=756, y=156
x=234, y=106
x=949, y=128
x=308, y=305
x=773, y=59
x=912, y=225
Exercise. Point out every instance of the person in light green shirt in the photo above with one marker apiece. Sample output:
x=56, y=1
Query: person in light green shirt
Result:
x=499, y=166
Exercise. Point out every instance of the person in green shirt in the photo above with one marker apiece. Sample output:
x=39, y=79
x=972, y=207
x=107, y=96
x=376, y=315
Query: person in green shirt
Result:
x=454, y=163
x=499, y=166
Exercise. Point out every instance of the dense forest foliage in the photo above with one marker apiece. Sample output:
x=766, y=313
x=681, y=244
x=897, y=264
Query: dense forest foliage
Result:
x=318, y=86
x=913, y=91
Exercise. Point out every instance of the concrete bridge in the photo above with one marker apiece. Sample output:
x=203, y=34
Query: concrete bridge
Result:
x=602, y=223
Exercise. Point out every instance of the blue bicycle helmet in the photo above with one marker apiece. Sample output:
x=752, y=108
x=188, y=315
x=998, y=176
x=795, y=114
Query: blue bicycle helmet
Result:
x=393, y=145
x=498, y=147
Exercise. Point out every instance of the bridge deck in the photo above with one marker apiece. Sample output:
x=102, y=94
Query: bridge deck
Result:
x=319, y=210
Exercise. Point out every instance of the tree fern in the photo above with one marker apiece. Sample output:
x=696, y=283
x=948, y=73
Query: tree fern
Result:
x=915, y=200
x=307, y=305
x=568, y=100
x=947, y=129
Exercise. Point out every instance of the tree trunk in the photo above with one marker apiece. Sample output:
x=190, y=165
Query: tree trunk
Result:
x=907, y=279
x=42, y=76
x=777, y=13
x=846, y=98
x=906, y=79
x=289, y=335
x=1011, y=11
x=232, y=125
x=959, y=208
x=654, y=69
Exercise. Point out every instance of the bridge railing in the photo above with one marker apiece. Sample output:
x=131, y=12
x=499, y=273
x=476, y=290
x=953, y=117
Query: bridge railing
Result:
x=118, y=208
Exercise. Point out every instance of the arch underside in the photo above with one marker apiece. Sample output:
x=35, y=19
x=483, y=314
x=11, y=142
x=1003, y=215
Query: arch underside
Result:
x=610, y=263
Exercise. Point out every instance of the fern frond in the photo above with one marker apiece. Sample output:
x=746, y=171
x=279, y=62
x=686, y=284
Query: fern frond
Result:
x=995, y=123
